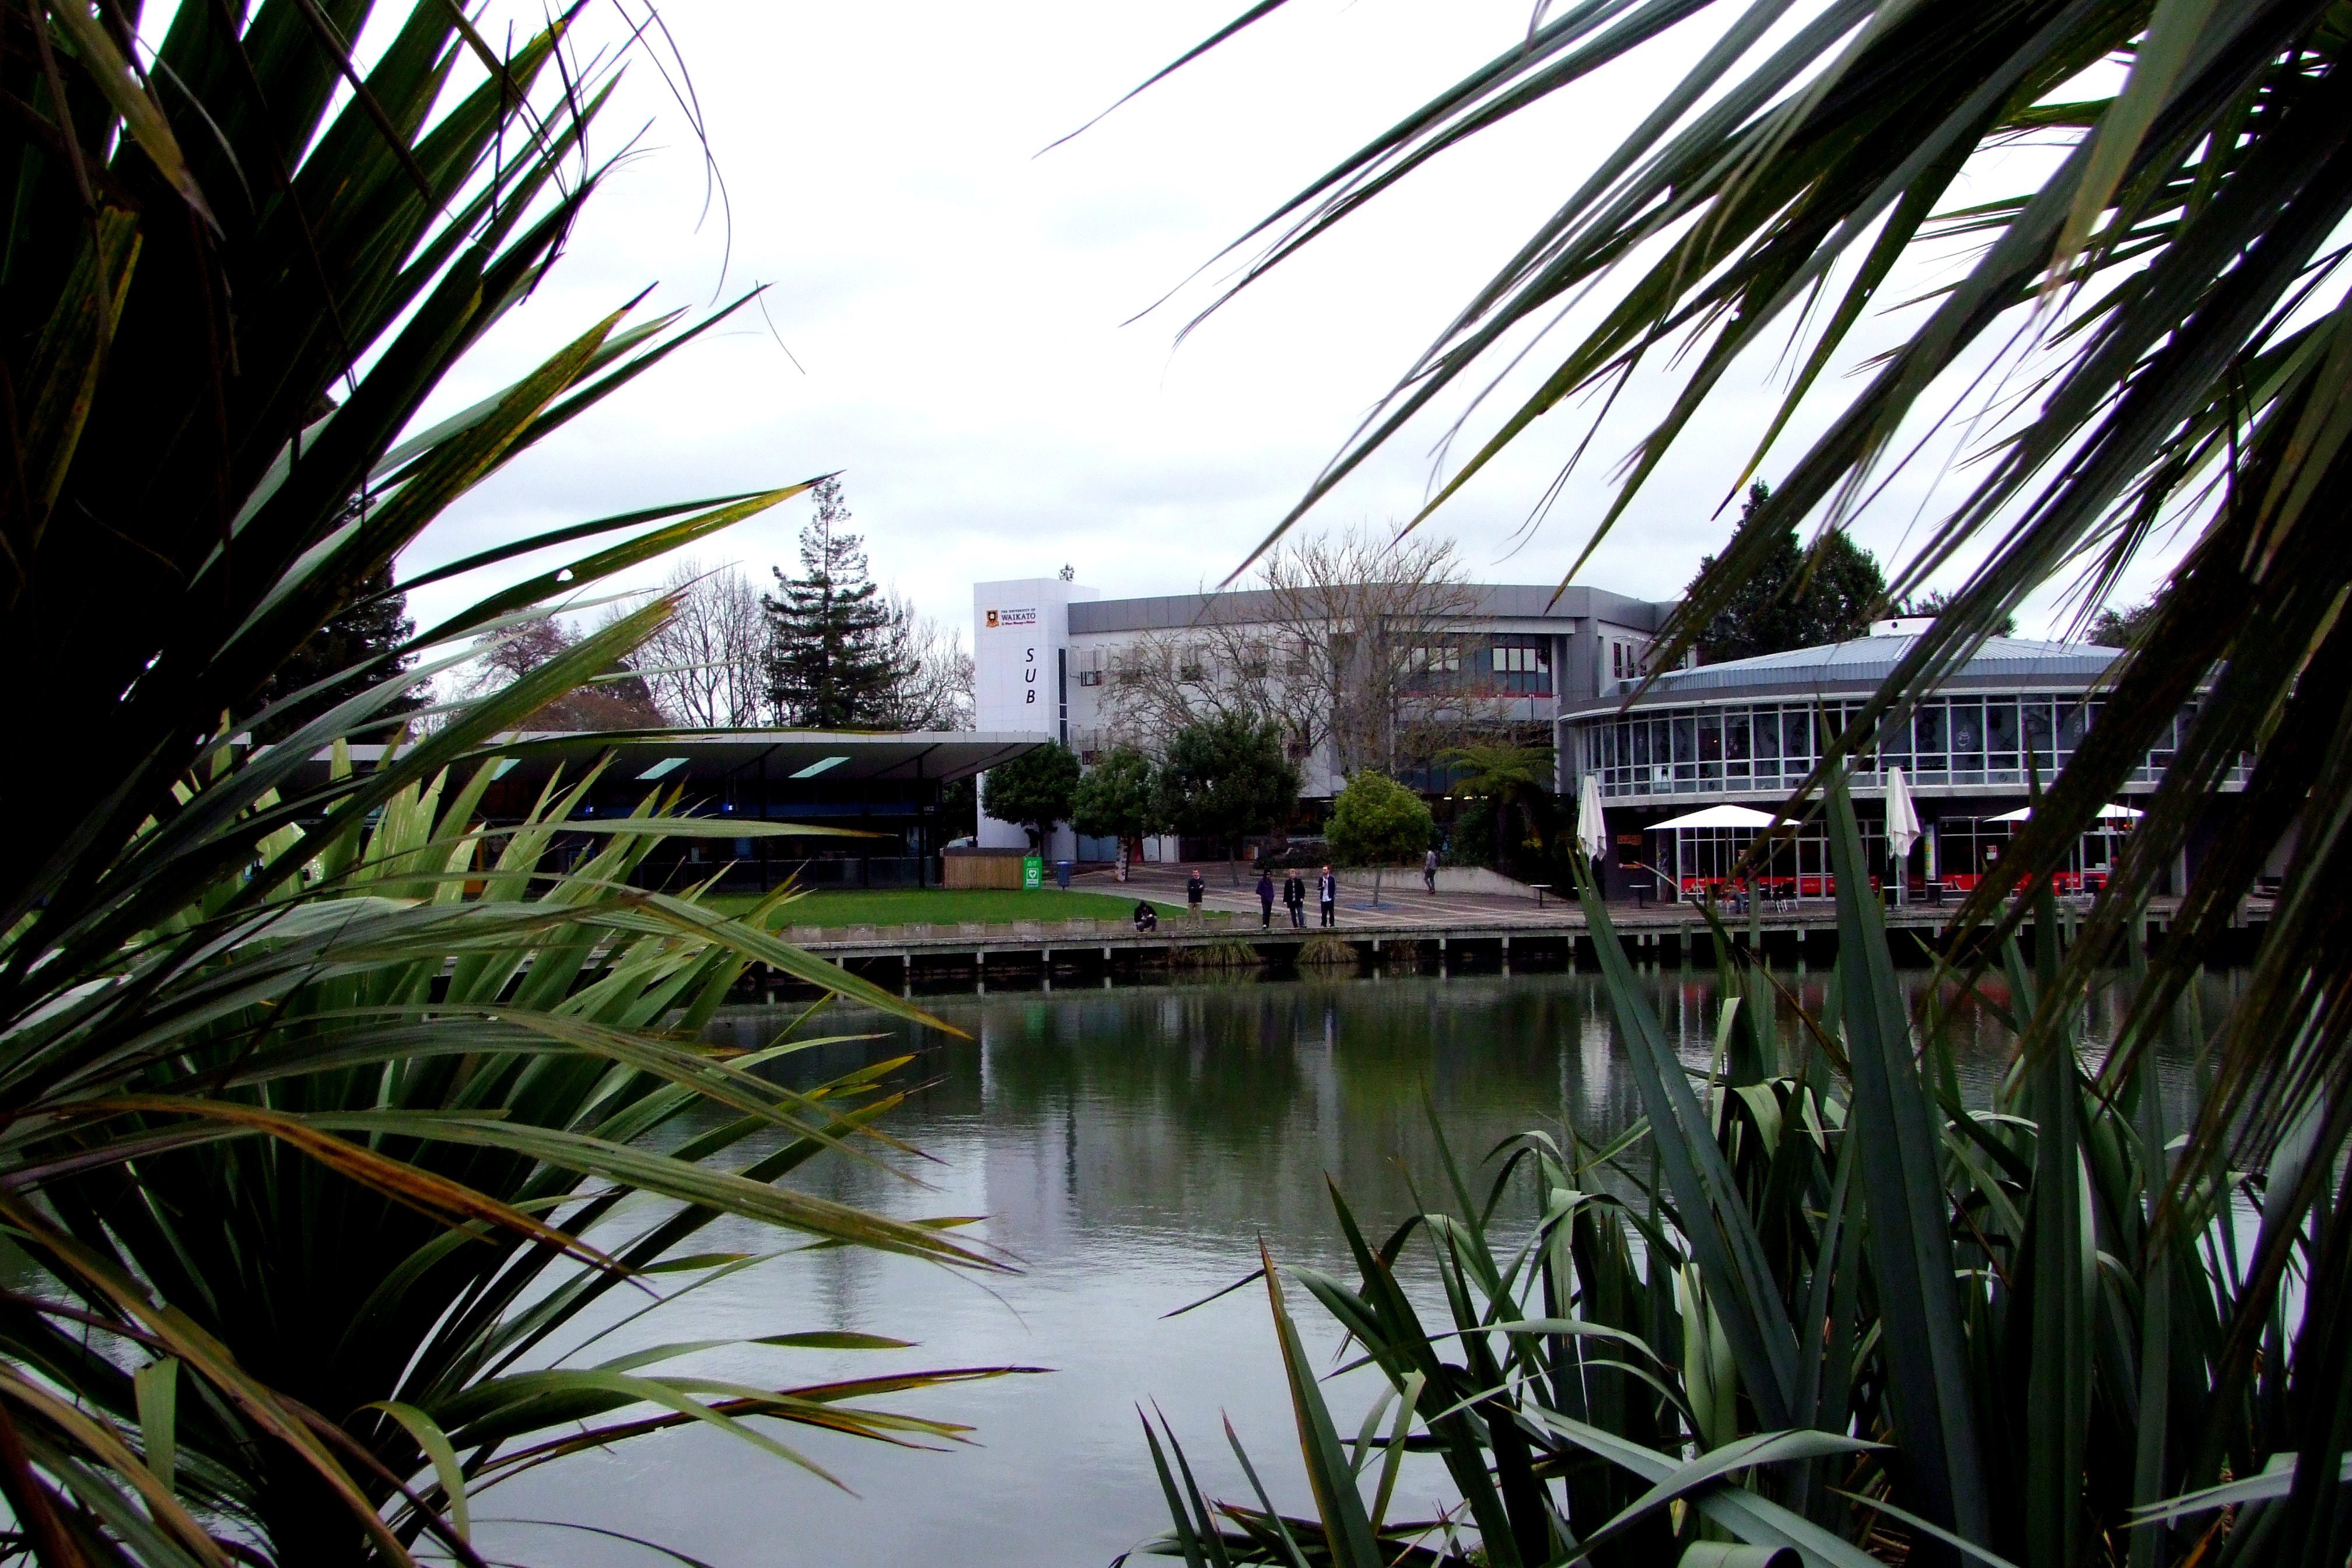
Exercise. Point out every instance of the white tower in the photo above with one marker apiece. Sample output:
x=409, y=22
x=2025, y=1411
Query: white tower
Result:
x=1021, y=677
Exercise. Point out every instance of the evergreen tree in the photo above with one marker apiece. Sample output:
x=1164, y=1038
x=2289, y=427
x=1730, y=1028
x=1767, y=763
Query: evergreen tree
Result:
x=829, y=664
x=1227, y=778
x=1033, y=790
x=1377, y=822
x=2121, y=628
x=1933, y=603
x=1118, y=797
x=1790, y=600
x=375, y=626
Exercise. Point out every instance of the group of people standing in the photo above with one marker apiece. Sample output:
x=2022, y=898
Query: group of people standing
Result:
x=1293, y=890
x=1293, y=898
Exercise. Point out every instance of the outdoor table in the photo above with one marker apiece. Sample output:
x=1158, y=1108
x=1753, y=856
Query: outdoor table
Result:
x=1541, y=889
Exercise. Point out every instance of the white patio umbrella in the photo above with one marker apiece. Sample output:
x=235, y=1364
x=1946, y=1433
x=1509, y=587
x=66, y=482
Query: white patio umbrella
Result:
x=1746, y=817
x=1718, y=817
x=1591, y=827
x=2107, y=814
x=1902, y=829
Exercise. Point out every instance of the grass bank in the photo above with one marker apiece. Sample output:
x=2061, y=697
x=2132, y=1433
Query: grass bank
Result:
x=942, y=906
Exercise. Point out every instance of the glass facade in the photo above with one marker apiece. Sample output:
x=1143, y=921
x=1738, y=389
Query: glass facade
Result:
x=1772, y=746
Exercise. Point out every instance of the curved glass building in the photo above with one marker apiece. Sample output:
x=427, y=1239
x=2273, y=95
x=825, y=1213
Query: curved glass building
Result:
x=1750, y=731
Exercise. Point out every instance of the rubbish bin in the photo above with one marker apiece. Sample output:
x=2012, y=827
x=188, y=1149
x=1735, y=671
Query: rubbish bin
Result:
x=1062, y=874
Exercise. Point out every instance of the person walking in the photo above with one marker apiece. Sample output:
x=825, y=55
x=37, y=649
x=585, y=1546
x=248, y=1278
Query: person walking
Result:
x=1294, y=899
x=1326, y=893
x=1428, y=872
x=1195, y=890
x=1265, y=901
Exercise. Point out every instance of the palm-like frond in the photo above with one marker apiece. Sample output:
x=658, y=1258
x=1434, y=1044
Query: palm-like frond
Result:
x=1815, y=1302
x=310, y=1088
x=351, y=1135
x=2171, y=294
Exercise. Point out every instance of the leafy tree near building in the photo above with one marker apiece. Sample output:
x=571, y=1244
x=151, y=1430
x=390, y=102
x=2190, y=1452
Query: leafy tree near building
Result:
x=2120, y=628
x=1794, y=597
x=360, y=646
x=1934, y=603
x=829, y=665
x=1515, y=782
x=1118, y=797
x=1227, y=778
x=1377, y=822
x=1034, y=789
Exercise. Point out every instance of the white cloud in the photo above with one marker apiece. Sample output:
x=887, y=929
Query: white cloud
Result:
x=955, y=302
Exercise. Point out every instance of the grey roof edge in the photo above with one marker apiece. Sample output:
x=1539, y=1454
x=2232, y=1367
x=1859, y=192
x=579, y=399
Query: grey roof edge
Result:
x=1495, y=601
x=1715, y=696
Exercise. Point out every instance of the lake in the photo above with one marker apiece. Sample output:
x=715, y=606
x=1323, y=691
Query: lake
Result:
x=1132, y=1147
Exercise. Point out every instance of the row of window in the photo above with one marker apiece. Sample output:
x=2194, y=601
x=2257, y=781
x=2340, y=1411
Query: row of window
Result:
x=1490, y=665
x=1947, y=740
x=1513, y=665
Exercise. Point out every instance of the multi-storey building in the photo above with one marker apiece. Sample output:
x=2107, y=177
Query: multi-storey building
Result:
x=1055, y=658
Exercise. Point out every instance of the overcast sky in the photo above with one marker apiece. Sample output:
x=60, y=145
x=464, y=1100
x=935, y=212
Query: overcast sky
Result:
x=958, y=306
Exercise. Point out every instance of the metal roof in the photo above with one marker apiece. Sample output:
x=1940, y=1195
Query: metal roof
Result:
x=1491, y=602
x=940, y=754
x=1861, y=664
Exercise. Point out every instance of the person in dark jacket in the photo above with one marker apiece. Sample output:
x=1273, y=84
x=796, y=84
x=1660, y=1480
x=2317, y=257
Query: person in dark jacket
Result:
x=1146, y=917
x=1195, y=890
x=1326, y=893
x=1294, y=899
x=1265, y=901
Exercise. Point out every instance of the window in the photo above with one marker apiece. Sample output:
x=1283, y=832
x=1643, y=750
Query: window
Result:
x=1191, y=674
x=1520, y=664
x=1090, y=677
x=1435, y=667
x=2001, y=740
x=1980, y=740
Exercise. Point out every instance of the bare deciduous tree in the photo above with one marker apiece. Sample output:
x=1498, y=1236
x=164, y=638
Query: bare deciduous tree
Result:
x=617, y=699
x=1368, y=619
x=932, y=685
x=1337, y=645
x=704, y=666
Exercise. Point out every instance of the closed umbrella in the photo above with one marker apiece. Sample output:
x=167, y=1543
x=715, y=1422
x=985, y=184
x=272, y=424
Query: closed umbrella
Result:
x=1592, y=828
x=1902, y=829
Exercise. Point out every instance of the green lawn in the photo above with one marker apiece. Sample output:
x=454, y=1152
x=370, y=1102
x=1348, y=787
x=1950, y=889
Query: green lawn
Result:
x=892, y=907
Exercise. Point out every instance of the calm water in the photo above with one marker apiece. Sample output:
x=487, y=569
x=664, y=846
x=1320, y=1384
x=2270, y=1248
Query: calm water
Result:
x=1132, y=1147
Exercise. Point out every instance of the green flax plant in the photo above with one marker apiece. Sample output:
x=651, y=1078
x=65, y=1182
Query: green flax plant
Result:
x=455, y=1087
x=2110, y=237
x=312, y=1086
x=1811, y=1303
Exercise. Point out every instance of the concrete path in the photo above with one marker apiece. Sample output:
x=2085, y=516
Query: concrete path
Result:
x=1399, y=907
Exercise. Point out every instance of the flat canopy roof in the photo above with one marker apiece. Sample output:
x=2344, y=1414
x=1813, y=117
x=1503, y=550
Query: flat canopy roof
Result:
x=835, y=756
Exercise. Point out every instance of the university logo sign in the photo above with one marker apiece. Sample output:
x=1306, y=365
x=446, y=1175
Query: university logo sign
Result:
x=1011, y=619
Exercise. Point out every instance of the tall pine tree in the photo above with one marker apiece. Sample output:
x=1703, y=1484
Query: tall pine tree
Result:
x=1794, y=598
x=829, y=651
x=378, y=624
